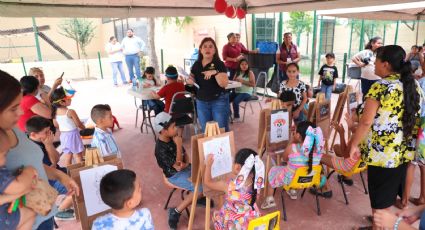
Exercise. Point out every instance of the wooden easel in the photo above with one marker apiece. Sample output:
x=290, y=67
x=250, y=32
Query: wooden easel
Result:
x=339, y=110
x=263, y=143
x=93, y=159
x=211, y=129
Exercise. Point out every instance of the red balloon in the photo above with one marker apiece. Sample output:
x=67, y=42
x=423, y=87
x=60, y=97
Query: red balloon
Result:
x=220, y=6
x=230, y=11
x=240, y=13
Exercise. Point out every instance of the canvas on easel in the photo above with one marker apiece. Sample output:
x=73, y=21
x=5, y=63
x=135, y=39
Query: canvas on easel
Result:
x=87, y=215
x=338, y=112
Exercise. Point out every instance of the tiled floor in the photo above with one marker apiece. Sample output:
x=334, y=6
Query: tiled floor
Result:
x=138, y=154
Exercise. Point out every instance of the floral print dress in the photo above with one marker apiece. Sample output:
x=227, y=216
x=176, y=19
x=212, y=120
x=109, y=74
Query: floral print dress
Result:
x=385, y=145
x=236, y=211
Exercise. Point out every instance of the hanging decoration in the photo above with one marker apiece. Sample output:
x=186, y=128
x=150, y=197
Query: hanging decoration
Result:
x=220, y=6
x=230, y=10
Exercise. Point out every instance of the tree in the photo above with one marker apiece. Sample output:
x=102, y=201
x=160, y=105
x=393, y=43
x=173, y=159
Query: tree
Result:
x=178, y=21
x=80, y=30
x=370, y=28
x=299, y=23
x=151, y=44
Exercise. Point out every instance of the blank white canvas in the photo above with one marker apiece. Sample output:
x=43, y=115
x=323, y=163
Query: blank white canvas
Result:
x=220, y=147
x=90, y=183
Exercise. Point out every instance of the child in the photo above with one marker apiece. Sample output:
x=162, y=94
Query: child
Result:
x=122, y=191
x=328, y=72
x=174, y=162
x=245, y=76
x=38, y=130
x=240, y=191
x=11, y=188
x=298, y=88
x=404, y=220
x=148, y=81
x=305, y=149
x=287, y=98
x=172, y=87
x=68, y=123
x=103, y=139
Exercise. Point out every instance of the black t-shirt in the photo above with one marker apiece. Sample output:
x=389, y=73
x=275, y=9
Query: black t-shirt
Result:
x=209, y=90
x=166, y=154
x=329, y=73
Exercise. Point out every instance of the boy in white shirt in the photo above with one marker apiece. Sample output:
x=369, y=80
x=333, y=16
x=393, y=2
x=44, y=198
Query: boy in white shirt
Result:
x=103, y=139
x=122, y=191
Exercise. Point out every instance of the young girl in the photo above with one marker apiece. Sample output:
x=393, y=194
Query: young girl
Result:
x=299, y=89
x=148, y=81
x=305, y=149
x=68, y=123
x=12, y=188
x=245, y=76
x=241, y=190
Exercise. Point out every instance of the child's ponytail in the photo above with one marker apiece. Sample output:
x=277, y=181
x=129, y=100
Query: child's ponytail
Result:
x=310, y=157
x=57, y=97
x=240, y=158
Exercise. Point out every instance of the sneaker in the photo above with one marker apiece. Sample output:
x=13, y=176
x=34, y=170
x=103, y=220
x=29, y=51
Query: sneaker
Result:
x=292, y=194
x=173, y=218
x=268, y=203
x=237, y=120
x=203, y=202
x=327, y=194
x=67, y=214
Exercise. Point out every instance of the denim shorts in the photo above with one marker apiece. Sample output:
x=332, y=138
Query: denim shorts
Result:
x=181, y=180
x=58, y=187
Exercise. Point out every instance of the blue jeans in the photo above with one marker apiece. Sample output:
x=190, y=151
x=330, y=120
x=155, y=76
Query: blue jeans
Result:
x=117, y=67
x=181, y=180
x=366, y=84
x=216, y=110
x=133, y=61
x=156, y=105
x=46, y=225
x=327, y=90
x=239, y=97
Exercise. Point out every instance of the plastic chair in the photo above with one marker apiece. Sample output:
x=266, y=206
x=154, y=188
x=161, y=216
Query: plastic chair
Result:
x=253, y=99
x=270, y=221
x=183, y=109
x=304, y=180
x=266, y=80
x=357, y=169
x=173, y=189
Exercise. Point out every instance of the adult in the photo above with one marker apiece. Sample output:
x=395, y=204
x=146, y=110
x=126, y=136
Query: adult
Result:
x=232, y=54
x=238, y=40
x=414, y=57
x=30, y=105
x=287, y=53
x=24, y=152
x=209, y=73
x=366, y=60
x=114, y=50
x=44, y=91
x=389, y=122
x=131, y=47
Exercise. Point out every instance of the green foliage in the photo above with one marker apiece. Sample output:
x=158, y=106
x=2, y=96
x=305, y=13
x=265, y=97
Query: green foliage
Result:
x=180, y=22
x=300, y=22
x=371, y=28
x=80, y=30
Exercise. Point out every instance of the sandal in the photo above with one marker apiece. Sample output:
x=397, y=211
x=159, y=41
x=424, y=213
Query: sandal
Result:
x=268, y=203
x=416, y=201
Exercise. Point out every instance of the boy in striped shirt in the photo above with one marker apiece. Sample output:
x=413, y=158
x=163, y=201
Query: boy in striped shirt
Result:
x=102, y=137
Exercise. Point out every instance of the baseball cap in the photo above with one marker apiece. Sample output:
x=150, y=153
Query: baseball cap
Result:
x=162, y=120
x=331, y=55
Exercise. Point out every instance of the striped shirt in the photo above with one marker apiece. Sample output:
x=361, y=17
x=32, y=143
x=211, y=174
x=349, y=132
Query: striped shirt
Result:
x=105, y=142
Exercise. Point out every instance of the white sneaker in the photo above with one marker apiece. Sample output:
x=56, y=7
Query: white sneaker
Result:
x=268, y=203
x=292, y=194
x=237, y=120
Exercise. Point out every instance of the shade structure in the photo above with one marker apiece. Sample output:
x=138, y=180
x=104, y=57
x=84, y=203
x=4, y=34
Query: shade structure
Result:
x=161, y=8
x=413, y=11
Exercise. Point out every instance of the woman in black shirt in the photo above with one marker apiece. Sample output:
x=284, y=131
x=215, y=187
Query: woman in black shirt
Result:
x=210, y=74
